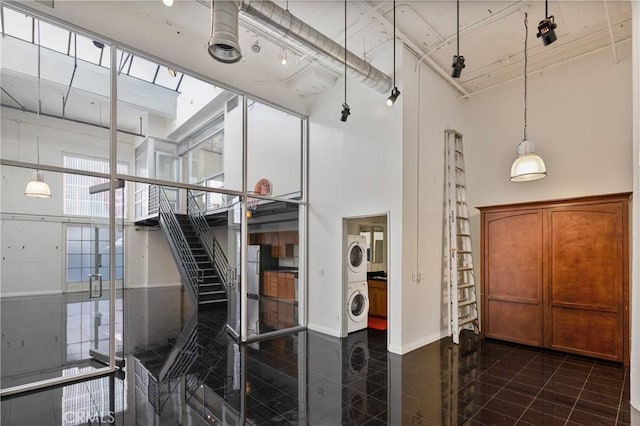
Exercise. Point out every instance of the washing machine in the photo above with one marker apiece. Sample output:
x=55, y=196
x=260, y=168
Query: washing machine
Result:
x=356, y=258
x=357, y=305
x=357, y=353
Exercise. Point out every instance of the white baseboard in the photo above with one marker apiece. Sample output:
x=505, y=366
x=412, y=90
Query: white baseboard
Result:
x=324, y=330
x=408, y=347
x=156, y=285
x=29, y=293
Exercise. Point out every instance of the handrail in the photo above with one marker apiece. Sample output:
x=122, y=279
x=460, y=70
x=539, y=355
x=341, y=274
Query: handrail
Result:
x=178, y=242
x=197, y=217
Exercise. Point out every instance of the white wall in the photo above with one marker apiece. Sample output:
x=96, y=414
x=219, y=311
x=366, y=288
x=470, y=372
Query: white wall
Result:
x=355, y=169
x=579, y=118
x=581, y=127
x=430, y=107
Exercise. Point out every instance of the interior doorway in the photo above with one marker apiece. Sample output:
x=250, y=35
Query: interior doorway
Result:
x=366, y=273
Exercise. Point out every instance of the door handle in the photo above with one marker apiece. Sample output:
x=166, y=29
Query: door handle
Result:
x=92, y=279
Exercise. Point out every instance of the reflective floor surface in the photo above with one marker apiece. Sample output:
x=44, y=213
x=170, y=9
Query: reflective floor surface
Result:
x=185, y=370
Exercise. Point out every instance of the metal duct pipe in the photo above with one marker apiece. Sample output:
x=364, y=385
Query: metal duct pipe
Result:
x=282, y=23
x=223, y=44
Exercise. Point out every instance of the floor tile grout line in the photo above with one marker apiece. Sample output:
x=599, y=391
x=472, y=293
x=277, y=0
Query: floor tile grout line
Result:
x=580, y=394
x=509, y=381
x=542, y=387
x=624, y=384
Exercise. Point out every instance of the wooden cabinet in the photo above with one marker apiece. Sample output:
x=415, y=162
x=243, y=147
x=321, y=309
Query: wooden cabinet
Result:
x=555, y=274
x=378, y=298
x=279, y=285
x=282, y=243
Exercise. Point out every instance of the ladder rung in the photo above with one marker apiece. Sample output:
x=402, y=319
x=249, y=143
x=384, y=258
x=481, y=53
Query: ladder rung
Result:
x=459, y=168
x=462, y=217
x=458, y=185
x=465, y=268
x=463, y=235
x=467, y=321
x=462, y=304
x=464, y=251
x=467, y=285
x=461, y=202
x=458, y=151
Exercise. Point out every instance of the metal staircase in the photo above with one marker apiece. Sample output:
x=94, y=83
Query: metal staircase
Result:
x=201, y=279
x=463, y=300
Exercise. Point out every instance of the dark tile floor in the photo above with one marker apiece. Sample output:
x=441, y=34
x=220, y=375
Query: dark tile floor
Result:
x=196, y=374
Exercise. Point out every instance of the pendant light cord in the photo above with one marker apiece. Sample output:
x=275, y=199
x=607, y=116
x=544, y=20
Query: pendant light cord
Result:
x=394, y=43
x=546, y=9
x=458, y=28
x=345, y=51
x=38, y=95
x=526, y=61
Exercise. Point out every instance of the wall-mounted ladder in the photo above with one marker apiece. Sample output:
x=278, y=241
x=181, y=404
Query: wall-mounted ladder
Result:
x=463, y=301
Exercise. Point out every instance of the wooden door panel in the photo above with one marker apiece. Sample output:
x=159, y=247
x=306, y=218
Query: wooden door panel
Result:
x=515, y=322
x=585, y=249
x=514, y=257
x=587, y=332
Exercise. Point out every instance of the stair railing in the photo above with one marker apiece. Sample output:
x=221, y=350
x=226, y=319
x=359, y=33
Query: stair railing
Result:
x=180, y=249
x=180, y=360
x=196, y=214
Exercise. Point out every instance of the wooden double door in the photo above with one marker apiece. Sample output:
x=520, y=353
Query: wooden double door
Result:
x=555, y=275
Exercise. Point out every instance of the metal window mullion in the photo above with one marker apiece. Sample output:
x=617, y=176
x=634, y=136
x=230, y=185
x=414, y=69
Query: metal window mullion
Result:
x=113, y=171
x=243, y=224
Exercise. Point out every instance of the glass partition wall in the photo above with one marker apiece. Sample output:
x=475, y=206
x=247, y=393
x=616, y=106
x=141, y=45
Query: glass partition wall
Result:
x=170, y=152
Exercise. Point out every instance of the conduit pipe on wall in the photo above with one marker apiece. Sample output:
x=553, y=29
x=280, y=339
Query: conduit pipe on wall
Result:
x=282, y=23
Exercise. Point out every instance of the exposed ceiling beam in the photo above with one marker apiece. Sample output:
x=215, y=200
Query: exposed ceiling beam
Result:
x=613, y=43
x=411, y=45
x=539, y=70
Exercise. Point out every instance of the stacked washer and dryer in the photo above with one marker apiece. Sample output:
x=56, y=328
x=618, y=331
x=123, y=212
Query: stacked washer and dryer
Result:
x=358, y=289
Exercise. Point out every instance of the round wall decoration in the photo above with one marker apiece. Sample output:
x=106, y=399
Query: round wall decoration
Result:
x=263, y=187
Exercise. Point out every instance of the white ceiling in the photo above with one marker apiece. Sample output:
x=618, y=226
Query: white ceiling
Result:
x=492, y=41
x=491, y=37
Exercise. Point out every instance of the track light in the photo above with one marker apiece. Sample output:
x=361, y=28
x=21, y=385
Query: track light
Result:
x=346, y=112
x=394, y=92
x=457, y=66
x=167, y=3
x=283, y=57
x=546, y=30
x=546, y=27
x=458, y=59
x=394, y=96
x=172, y=72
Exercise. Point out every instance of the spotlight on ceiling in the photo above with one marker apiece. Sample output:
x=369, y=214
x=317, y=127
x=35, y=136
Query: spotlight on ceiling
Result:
x=255, y=45
x=283, y=57
x=346, y=112
x=546, y=30
x=172, y=72
x=394, y=96
x=458, y=59
x=167, y=3
x=98, y=44
x=457, y=66
x=546, y=27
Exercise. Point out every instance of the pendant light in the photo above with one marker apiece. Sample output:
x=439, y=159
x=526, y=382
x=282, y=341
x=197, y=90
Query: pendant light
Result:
x=394, y=92
x=458, y=60
x=37, y=187
x=346, y=111
x=528, y=166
